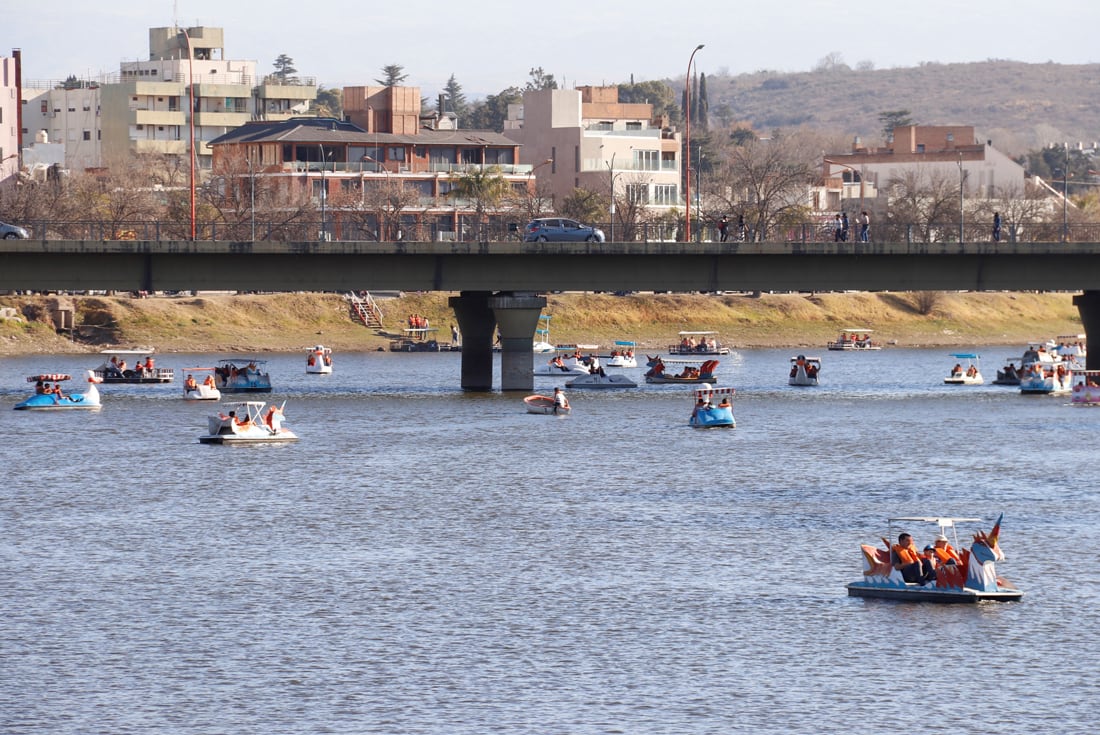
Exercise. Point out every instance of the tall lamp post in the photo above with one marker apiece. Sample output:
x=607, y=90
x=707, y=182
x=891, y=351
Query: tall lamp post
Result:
x=191, y=119
x=962, y=176
x=611, y=180
x=687, y=147
x=252, y=198
x=324, y=196
x=1065, y=196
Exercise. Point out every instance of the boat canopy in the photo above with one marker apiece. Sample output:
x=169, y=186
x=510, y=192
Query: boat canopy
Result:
x=943, y=521
x=707, y=392
x=140, y=352
x=241, y=361
x=807, y=358
x=963, y=355
x=576, y=347
x=856, y=329
x=685, y=361
x=49, y=376
x=685, y=334
x=198, y=369
x=624, y=343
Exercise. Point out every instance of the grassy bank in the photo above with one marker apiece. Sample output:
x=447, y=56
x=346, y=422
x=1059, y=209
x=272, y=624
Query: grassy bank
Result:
x=287, y=322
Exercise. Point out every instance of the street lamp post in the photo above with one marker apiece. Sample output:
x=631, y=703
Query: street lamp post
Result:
x=252, y=198
x=191, y=119
x=324, y=196
x=961, y=180
x=611, y=178
x=1065, y=195
x=687, y=147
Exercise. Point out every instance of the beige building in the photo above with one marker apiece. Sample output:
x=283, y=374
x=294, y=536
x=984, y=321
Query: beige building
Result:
x=10, y=132
x=61, y=125
x=150, y=110
x=592, y=141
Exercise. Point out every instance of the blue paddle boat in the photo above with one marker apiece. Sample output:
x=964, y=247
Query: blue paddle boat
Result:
x=711, y=410
x=48, y=395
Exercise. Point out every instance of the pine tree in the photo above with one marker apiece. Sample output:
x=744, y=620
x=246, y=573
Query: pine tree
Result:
x=284, y=67
x=392, y=75
x=703, y=108
x=456, y=101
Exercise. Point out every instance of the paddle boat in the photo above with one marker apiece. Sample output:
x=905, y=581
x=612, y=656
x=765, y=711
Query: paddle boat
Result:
x=541, y=344
x=51, y=398
x=960, y=576
x=319, y=360
x=601, y=380
x=698, y=343
x=1046, y=377
x=1069, y=345
x=692, y=371
x=249, y=423
x=854, y=338
x=568, y=361
x=1086, y=388
x=622, y=356
x=237, y=375
x=132, y=366
x=1010, y=373
x=548, y=405
x=201, y=390
x=964, y=374
x=710, y=411
x=804, y=370
x=416, y=339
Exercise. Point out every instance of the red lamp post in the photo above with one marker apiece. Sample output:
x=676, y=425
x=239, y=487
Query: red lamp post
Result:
x=687, y=148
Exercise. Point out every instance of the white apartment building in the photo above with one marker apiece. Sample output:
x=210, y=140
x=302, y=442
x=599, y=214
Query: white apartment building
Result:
x=61, y=125
x=592, y=141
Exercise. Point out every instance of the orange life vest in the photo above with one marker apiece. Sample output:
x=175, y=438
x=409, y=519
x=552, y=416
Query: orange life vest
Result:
x=906, y=554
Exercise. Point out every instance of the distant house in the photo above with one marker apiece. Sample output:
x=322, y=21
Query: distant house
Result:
x=386, y=144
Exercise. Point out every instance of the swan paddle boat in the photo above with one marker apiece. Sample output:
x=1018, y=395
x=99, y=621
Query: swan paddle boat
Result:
x=319, y=360
x=965, y=371
x=51, y=398
x=116, y=369
x=568, y=361
x=804, y=370
x=968, y=575
x=710, y=411
x=698, y=343
x=1086, y=388
x=854, y=338
x=692, y=371
x=242, y=376
x=201, y=390
x=249, y=423
x=622, y=356
x=548, y=405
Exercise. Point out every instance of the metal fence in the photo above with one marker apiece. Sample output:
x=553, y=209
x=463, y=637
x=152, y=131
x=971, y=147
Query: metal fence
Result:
x=502, y=230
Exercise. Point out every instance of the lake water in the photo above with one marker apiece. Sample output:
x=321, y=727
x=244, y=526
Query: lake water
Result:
x=429, y=561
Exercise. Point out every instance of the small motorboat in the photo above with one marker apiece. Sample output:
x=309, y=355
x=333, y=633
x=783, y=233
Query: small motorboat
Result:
x=416, y=339
x=966, y=576
x=598, y=380
x=201, y=390
x=698, y=343
x=49, y=397
x=236, y=375
x=546, y=405
x=249, y=423
x=622, y=356
x=1086, y=388
x=116, y=369
x=710, y=411
x=804, y=370
x=1009, y=374
x=854, y=338
x=965, y=371
x=692, y=371
x=319, y=360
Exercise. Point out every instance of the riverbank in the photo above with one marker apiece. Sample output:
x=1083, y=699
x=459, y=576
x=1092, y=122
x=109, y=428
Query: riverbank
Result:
x=287, y=322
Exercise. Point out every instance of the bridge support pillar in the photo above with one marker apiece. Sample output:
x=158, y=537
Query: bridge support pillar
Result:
x=476, y=322
x=1088, y=305
x=518, y=317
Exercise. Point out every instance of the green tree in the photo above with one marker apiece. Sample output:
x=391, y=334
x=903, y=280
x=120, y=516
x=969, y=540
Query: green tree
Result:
x=490, y=113
x=482, y=187
x=891, y=119
x=329, y=102
x=659, y=94
x=392, y=75
x=702, y=106
x=284, y=67
x=584, y=205
x=539, y=79
x=455, y=99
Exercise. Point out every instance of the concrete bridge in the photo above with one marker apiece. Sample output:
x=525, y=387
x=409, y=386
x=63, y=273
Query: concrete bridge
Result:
x=499, y=283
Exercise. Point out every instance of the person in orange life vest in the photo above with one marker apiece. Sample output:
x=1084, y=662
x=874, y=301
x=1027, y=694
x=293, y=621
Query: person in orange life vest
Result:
x=209, y=382
x=913, y=565
x=190, y=383
x=944, y=552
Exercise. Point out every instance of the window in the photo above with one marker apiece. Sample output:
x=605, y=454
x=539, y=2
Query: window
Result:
x=647, y=160
x=396, y=153
x=87, y=135
x=638, y=193
x=665, y=194
x=633, y=126
x=603, y=125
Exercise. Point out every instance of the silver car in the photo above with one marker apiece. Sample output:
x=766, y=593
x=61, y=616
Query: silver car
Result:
x=11, y=232
x=560, y=229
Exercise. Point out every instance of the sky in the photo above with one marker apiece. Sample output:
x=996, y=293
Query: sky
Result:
x=489, y=45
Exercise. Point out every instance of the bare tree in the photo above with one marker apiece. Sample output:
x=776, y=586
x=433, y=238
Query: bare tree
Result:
x=926, y=199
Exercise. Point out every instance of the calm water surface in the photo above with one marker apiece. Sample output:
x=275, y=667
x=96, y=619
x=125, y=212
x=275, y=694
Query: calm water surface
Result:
x=427, y=561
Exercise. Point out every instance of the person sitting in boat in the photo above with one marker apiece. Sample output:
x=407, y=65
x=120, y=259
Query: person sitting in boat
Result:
x=725, y=402
x=657, y=369
x=40, y=388
x=685, y=343
x=209, y=382
x=700, y=405
x=557, y=362
x=957, y=371
x=944, y=553
x=122, y=368
x=811, y=370
x=560, y=401
x=58, y=396
x=915, y=568
x=972, y=372
x=189, y=384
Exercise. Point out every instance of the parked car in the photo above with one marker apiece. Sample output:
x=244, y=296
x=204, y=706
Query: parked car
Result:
x=559, y=229
x=11, y=232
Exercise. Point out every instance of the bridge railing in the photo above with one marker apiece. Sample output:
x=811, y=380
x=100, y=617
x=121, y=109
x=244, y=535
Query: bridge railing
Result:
x=501, y=230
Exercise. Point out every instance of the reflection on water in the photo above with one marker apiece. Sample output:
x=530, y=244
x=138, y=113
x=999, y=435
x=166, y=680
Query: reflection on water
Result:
x=430, y=561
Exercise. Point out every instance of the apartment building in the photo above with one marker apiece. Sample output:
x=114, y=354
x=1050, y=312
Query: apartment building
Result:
x=10, y=131
x=595, y=142
x=61, y=125
x=187, y=82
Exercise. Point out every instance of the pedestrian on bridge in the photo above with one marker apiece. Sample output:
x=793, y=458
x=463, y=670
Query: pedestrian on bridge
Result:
x=864, y=226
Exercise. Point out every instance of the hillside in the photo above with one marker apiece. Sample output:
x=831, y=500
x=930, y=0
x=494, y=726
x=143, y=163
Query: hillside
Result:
x=288, y=322
x=1018, y=106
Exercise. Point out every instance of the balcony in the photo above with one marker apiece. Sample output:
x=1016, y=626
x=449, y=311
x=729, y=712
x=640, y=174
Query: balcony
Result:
x=222, y=119
x=170, y=147
x=157, y=117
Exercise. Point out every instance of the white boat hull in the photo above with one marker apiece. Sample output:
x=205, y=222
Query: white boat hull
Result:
x=963, y=380
x=602, y=381
x=202, y=393
x=544, y=405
